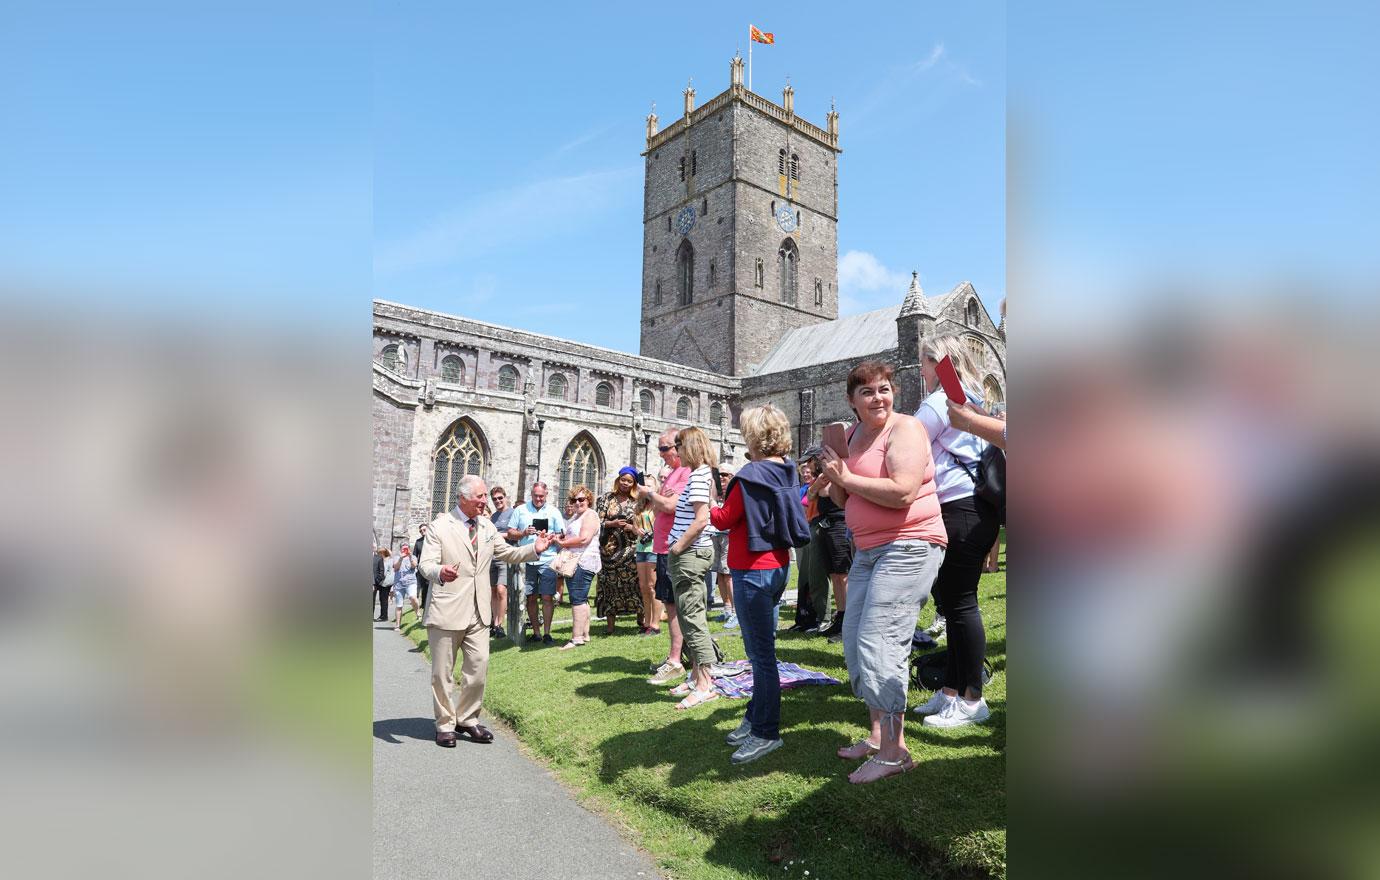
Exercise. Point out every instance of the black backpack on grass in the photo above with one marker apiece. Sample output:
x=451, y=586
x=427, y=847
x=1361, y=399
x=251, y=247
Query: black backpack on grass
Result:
x=927, y=670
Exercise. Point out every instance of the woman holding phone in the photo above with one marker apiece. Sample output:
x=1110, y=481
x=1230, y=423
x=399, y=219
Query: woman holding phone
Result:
x=886, y=488
x=972, y=526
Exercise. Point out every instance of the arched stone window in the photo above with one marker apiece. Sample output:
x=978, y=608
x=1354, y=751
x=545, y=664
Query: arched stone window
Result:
x=603, y=394
x=716, y=413
x=685, y=272
x=977, y=350
x=656, y=297
x=393, y=357
x=713, y=279
x=683, y=408
x=460, y=451
x=580, y=466
x=452, y=369
x=819, y=292
x=556, y=385
x=991, y=393
x=788, y=265
x=759, y=277
x=795, y=167
x=646, y=401
x=507, y=378
x=781, y=162
x=973, y=313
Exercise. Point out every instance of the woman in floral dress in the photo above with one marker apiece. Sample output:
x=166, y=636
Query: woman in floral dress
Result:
x=618, y=586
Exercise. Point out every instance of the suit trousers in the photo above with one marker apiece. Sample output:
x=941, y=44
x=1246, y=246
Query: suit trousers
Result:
x=473, y=645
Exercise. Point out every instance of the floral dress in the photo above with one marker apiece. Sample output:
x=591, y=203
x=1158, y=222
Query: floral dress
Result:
x=619, y=592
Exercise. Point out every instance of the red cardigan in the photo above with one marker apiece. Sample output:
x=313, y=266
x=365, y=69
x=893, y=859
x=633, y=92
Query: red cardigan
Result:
x=730, y=518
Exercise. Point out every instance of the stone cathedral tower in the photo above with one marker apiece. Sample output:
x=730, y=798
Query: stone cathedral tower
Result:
x=740, y=238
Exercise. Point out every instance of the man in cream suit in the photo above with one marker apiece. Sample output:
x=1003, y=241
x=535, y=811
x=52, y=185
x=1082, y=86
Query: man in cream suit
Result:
x=460, y=546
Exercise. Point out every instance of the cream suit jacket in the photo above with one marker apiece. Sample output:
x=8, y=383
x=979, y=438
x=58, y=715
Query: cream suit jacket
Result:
x=463, y=602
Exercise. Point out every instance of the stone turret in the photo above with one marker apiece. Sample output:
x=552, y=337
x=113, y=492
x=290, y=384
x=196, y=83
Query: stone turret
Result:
x=788, y=99
x=735, y=71
x=689, y=99
x=832, y=121
x=914, y=324
x=652, y=122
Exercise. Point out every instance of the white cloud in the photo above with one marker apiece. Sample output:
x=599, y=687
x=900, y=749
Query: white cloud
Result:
x=933, y=58
x=865, y=284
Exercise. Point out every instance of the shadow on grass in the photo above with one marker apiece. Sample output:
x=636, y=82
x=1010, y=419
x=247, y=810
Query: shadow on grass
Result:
x=606, y=665
x=390, y=729
x=623, y=691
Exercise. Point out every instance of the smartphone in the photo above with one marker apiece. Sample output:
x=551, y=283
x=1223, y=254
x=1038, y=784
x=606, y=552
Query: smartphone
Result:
x=641, y=478
x=948, y=377
x=541, y=525
x=836, y=438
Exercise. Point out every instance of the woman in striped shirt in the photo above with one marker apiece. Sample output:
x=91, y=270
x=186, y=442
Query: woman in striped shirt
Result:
x=692, y=554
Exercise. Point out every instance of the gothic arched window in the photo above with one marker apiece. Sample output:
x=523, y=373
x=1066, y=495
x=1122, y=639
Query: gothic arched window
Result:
x=555, y=386
x=685, y=272
x=452, y=369
x=579, y=467
x=788, y=264
x=646, y=401
x=603, y=394
x=781, y=162
x=795, y=167
x=758, y=278
x=656, y=297
x=716, y=413
x=507, y=378
x=977, y=350
x=712, y=276
x=683, y=408
x=392, y=358
x=973, y=314
x=460, y=451
x=991, y=392
x=819, y=292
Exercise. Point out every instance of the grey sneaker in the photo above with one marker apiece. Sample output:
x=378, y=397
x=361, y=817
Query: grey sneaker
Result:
x=668, y=673
x=740, y=734
x=754, y=748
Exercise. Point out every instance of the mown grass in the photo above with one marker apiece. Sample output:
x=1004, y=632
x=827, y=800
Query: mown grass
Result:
x=619, y=745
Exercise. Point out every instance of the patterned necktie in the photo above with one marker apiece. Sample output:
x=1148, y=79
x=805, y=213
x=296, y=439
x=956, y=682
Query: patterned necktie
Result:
x=474, y=535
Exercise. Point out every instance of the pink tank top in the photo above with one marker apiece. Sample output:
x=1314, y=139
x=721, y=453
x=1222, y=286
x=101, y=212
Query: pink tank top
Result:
x=874, y=525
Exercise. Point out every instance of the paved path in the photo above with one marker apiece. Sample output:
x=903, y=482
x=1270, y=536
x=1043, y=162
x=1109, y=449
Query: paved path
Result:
x=473, y=811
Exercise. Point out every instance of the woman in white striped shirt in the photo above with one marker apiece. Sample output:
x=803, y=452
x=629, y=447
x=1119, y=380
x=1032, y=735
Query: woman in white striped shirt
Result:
x=691, y=556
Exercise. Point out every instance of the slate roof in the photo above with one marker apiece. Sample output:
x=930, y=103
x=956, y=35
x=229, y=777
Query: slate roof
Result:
x=852, y=337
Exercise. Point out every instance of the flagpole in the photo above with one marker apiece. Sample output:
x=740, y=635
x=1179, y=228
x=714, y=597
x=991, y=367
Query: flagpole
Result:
x=749, y=57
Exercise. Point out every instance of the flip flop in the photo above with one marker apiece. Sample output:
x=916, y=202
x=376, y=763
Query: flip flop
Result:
x=697, y=698
x=571, y=644
x=680, y=690
x=889, y=768
x=860, y=749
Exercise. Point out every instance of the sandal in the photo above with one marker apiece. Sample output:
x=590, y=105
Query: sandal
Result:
x=697, y=698
x=571, y=644
x=860, y=749
x=680, y=690
x=862, y=775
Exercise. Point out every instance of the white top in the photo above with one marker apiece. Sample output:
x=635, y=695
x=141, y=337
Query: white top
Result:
x=951, y=481
x=696, y=491
x=589, y=556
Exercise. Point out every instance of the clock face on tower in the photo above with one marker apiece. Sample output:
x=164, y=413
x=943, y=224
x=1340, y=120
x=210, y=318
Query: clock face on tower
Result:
x=785, y=218
x=685, y=220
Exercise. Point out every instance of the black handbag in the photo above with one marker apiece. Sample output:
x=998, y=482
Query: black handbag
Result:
x=927, y=670
x=989, y=479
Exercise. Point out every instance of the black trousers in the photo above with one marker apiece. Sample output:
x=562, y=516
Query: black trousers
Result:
x=383, y=601
x=422, y=586
x=972, y=526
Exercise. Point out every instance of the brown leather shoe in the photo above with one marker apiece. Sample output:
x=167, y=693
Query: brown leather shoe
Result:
x=478, y=733
x=445, y=738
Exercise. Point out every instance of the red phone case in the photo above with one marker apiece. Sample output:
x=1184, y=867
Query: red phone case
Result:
x=948, y=377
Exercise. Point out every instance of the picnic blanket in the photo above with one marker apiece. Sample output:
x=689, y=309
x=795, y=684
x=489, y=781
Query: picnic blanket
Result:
x=739, y=684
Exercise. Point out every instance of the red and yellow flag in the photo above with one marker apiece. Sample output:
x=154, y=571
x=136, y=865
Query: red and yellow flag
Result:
x=759, y=37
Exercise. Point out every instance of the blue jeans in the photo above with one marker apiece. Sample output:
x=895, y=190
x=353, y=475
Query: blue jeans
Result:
x=578, y=586
x=755, y=598
x=540, y=580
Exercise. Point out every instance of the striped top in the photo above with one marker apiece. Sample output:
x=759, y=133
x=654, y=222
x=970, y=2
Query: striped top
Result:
x=696, y=491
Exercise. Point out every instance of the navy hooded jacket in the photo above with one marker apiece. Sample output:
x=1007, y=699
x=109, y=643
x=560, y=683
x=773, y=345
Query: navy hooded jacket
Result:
x=771, y=505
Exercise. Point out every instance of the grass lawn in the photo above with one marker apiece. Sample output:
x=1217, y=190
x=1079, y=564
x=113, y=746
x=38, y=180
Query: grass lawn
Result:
x=617, y=743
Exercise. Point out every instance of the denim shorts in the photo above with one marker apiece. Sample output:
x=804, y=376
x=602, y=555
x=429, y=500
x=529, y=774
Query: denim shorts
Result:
x=664, y=593
x=578, y=584
x=540, y=580
x=644, y=557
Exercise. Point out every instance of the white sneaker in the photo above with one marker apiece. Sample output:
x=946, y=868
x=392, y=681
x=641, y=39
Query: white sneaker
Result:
x=959, y=713
x=937, y=704
x=936, y=629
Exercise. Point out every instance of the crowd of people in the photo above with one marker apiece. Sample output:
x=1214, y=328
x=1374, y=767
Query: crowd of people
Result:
x=887, y=517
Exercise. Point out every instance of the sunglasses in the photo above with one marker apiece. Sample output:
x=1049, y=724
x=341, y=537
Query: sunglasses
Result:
x=666, y=448
x=579, y=501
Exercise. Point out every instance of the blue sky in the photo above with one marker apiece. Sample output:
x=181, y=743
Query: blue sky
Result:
x=507, y=175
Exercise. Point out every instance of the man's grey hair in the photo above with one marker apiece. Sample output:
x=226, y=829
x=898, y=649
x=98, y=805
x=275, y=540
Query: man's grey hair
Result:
x=669, y=434
x=468, y=484
x=541, y=484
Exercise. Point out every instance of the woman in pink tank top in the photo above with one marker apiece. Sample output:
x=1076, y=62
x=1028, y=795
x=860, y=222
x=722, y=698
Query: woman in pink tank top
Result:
x=886, y=488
